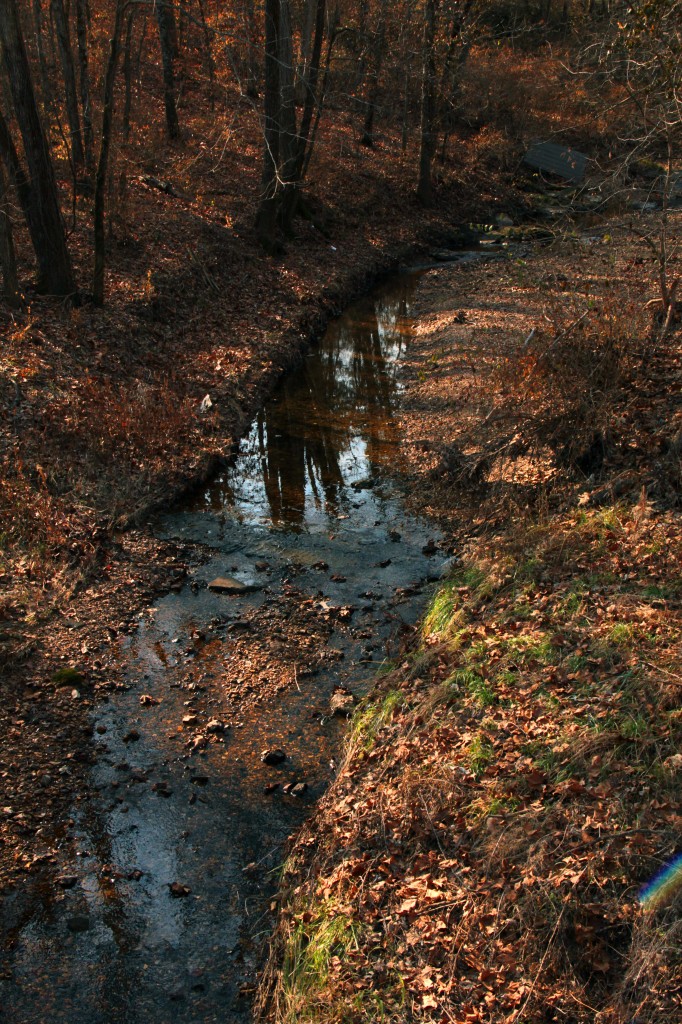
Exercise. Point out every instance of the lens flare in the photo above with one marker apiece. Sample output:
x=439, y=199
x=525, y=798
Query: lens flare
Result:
x=663, y=887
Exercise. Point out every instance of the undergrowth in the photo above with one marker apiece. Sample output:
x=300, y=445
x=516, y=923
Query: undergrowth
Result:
x=508, y=792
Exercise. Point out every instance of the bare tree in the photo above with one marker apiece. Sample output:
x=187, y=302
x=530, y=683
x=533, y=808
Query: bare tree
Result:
x=69, y=75
x=169, y=43
x=287, y=146
x=8, y=261
x=103, y=162
x=55, y=274
x=83, y=61
x=427, y=146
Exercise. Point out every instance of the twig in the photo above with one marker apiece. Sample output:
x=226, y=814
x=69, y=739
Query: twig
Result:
x=520, y=1011
x=557, y=338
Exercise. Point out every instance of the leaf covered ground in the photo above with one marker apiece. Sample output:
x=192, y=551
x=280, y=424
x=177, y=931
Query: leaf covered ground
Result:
x=512, y=785
x=102, y=417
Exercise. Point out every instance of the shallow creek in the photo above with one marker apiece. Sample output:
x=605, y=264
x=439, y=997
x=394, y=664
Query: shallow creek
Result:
x=310, y=517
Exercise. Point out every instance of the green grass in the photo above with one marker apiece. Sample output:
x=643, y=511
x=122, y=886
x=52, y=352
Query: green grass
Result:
x=371, y=716
x=576, y=662
x=526, y=649
x=310, y=948
x=481, y=754
x=443, y=612
x=445, y=617
x=622, y=634
x=481, y=690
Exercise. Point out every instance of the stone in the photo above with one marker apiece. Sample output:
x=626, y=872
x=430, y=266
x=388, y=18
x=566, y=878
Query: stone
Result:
x=79, y=923
x=229, y=585
x=341, y=701
x=449, y=566
x=270, y=787
x=131, y=736
x=299, y=789
x=66, y=881
x=273, y=757
x=563, y=161
x=162, y=788
x=178, y=890
x=215, y=725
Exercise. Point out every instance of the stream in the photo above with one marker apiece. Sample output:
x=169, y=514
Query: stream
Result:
x=162, y=898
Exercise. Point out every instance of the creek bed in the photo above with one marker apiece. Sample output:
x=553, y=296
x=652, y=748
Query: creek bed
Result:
x=169, y=865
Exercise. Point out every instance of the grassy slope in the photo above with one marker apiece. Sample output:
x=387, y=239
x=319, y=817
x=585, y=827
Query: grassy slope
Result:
x=511, y=786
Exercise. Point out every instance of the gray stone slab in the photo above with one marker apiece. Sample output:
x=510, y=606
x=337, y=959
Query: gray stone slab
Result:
x=563, y=161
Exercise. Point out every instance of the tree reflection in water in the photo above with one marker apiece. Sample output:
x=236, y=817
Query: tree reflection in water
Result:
x=332, y=421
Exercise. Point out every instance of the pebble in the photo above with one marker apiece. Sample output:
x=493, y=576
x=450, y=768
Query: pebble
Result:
x=162, y=788
x=273, y=757
x=179, y=890
x=66, y=881
x=79, y=923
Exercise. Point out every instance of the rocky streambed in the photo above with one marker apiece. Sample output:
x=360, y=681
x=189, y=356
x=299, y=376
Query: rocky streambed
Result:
x=308, y=574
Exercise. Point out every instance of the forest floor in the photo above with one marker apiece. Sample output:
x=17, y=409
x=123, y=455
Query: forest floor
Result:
x=102, y=416
x=512, y=784
x=515, y=774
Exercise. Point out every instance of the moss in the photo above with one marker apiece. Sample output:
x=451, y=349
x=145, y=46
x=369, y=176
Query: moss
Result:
x=68, y=676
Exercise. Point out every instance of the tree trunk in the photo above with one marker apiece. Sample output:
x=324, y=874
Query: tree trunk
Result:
x=128, y=74
x=183, y=23
x=103, y=162
x=55, y=273
x=83, y=60
x=287, y=98
x=40, y=50
x=166, y=28
x=377, y=57
x=302, y=137
x=20, y=182
x=69, y=76
x=266, y=217
x=7, y=258
x=333, y=34
x=208, y=54
x=251, y=50
x=173, y=29
x=428, y=136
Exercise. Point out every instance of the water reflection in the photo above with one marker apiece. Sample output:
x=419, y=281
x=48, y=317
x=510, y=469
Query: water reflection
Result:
x=139, y=954
x=329, y=426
